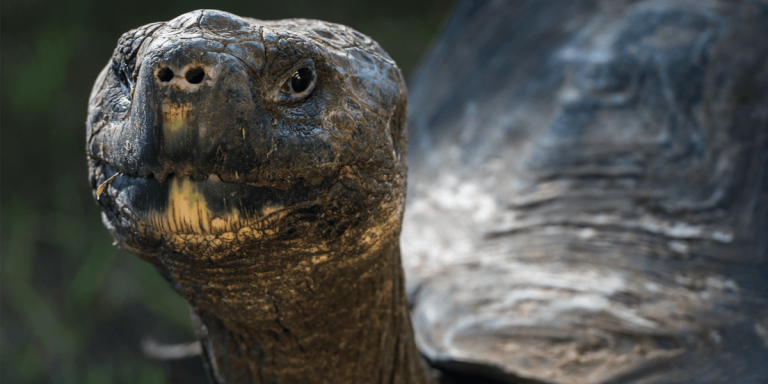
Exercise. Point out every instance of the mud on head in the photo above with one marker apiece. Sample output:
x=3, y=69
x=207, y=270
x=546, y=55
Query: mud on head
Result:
x=232, y=134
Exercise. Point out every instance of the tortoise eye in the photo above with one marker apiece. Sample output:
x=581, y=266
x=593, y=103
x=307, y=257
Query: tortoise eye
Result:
x=299, y=85
x=301, y=80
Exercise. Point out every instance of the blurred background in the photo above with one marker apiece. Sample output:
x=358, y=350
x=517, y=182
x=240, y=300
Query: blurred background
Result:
x=74, y=308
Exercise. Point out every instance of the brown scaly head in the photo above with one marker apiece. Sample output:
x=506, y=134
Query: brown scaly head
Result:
x=260, y=166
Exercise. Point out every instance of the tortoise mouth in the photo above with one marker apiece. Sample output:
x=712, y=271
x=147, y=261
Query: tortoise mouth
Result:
x=214, y=218
x=189, y=209
x=210, y=208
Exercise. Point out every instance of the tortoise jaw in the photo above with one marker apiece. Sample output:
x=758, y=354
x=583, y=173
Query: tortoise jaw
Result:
x=214, y=217
x=189, y=212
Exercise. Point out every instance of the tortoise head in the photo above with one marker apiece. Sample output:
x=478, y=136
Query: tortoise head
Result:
x=232, y=134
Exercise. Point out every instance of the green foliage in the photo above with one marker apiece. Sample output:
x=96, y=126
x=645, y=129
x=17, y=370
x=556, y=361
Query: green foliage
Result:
x=73, y=307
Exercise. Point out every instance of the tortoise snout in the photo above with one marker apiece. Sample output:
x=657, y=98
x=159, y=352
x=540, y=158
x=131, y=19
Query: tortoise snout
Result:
x=199, y=108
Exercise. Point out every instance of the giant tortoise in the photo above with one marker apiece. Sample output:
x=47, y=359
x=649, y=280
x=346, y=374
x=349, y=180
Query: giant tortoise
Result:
x=587, y=200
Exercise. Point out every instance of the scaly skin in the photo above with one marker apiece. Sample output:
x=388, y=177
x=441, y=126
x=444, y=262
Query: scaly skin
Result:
x=272, y=205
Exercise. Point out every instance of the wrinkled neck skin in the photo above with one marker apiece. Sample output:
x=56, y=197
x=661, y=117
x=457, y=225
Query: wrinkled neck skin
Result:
x=313, y=293
x=347, y=324
x=305, y=300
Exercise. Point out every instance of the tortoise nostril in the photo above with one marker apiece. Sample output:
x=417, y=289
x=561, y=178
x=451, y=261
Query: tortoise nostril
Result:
x=165, y=75
x=195, y=75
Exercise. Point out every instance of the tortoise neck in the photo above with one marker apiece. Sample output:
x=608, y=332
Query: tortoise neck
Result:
x=348, y=330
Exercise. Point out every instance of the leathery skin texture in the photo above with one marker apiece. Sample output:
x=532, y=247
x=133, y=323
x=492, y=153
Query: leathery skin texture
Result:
x=260, y=166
